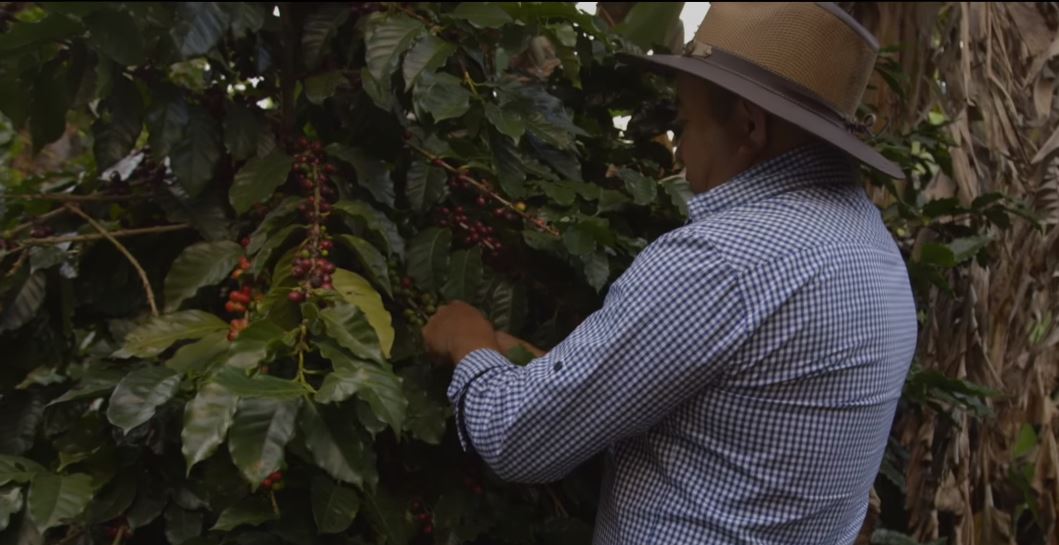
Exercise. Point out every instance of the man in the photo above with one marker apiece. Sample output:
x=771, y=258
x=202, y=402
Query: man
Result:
x=743, y=373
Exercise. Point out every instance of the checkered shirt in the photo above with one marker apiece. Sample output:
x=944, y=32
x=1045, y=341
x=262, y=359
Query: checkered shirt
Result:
x=741, y=378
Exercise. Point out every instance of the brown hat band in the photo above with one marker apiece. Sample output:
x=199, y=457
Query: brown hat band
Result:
x=771, y=82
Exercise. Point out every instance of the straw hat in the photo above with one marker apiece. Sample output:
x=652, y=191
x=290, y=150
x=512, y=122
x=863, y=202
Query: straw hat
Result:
x=807, y=63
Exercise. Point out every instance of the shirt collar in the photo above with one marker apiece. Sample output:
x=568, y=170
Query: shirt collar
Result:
x=803, y=166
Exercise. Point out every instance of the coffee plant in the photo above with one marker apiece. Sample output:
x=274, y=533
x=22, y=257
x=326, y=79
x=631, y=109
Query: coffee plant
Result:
x=224, y=224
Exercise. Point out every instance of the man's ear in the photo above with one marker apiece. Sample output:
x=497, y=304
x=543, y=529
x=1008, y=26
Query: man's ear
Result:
x=753, y=126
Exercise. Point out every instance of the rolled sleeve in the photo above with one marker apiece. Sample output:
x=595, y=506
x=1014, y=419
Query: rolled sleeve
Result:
x=474, y=365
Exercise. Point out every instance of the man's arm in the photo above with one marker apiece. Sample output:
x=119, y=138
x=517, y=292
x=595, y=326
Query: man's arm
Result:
x=666, y=328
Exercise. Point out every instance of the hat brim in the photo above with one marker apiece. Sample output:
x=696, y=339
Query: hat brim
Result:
x=826, y=127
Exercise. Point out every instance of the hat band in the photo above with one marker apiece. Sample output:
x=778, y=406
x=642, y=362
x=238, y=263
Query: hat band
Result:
x=774, y=83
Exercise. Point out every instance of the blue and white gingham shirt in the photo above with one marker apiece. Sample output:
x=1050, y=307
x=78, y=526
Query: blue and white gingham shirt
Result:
x=741, y=377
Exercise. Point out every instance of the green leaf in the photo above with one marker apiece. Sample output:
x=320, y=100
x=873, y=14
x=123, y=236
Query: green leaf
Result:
x=181, y=525
x=197, y=356
x=55, y=499
x=597, y=269
x=650, y=24
x=166, y=120
x=428, y=257
x=348, y=325
x=253, y=510
x=482, y=14
x=642, y=188
x=465, y=275
x=936, y=254
x=319, y=27
x=160, y=332
x=26, y=303
x=429, y=53
x=967, y=248
x=199, y=26
x=242, y=130
x=372, y=174
x=611, y=201
x=337, y=447
x=50, y=100
x=371, y=259
x=508, y=306
x=207, y=418
x=138, y=395
x=508, y=122
x=258, y=436
x=321, y=87
x=10, y=503
x=334, y=506
x=1026, y=441
x=95, y=383
x=114, y=499
x=369, y=381
x=115, y=34
x=259, y=386
x=24, y=34
x=254, y=343
x=116, y=132
x=246, y=17
x=23, y=412
x=258, y=179
x=195, y=158
x=679, y=193
x=357, y=291
x=386, y=37
x=427, y=413
x=388, y=514
x=441, y=95
x=509, y=166
x=426, y=185
x=17, y=469
x=578, y=240
x=150, y=501
x=201, y=264
x=375, y=221
x=276, y=218
x=560, y=192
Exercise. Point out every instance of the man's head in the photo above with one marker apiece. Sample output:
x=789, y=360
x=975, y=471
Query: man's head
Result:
x=723, y=134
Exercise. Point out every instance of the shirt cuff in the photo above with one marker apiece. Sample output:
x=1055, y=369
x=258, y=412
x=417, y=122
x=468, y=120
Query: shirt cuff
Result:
x=472, y=366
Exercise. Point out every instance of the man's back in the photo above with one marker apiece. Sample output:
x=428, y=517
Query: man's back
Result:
x=741, y=375
x=783, y=445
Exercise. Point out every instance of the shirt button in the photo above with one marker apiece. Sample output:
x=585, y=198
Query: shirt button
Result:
x=558, y=365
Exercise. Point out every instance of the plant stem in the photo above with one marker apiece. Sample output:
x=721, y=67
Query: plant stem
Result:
x=51, y=241
x=483, y=189
x=65, y=197
x=125, y=251
x=36, y=221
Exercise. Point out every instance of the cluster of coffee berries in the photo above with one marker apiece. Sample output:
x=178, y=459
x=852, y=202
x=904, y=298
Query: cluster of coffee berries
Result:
x=116, y=526
x=241, y=268
x=312, y=268
x=419, y=306
x=274, y=482
x=474, y=233
x=422, y=516
x=312, y=172
x=239, y=300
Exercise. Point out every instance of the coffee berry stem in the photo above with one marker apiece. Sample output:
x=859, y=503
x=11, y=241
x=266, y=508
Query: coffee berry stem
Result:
x=484, y=189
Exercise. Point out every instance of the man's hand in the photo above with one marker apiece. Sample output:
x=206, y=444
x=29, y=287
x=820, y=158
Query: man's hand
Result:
x=457, y=329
